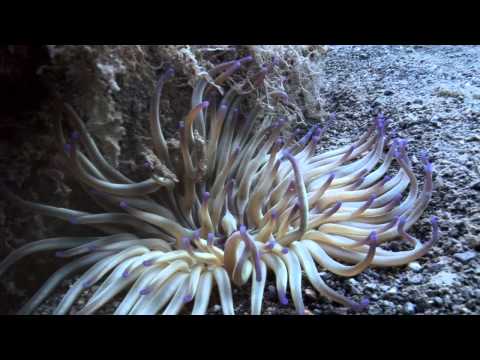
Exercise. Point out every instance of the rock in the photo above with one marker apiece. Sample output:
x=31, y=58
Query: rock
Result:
x=415, y=279
x=392, y=291
x=409, y=308
x=473, y=138
x=272, y=292
x=217, y=308
x=374, y=310
x=438, y=301
x=443, y=278
x=415, y=266
x=270, y=310
x=466, y=256
x=476, y=186
x=477, y=293
x=371, y=286
x=312, y=295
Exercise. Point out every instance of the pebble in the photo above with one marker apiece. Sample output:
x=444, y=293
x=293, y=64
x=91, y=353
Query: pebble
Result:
x=415, y=279
x=271, y=310
x=272, y=292
x=465, y=256
x=415, y=266
x=476, y=186
x=392, y=291
x=409, y=308
x=217, y=308
x=443, y=278
x=312, y=295
x=371, y=286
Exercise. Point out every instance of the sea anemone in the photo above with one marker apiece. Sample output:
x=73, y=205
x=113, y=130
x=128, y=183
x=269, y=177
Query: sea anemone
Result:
x=235, y=200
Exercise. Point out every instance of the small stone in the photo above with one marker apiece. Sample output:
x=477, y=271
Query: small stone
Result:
x=443, y=278
x=476, y=186
x=371, y=286
x=465, y=256
x=312, y=295
x=409, y=308
x=415, y=279
x=388, y=304
x=373, y=310
x=415, y=266
x=270, y=310
x=217, y=308
x=272, y=292
x=353, y=282
x=392, y=291
x=438, y=301
x=477, y=293
x=473, y=138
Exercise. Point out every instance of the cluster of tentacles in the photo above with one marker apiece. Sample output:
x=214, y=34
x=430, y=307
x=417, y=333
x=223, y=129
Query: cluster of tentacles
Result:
x=234, y=200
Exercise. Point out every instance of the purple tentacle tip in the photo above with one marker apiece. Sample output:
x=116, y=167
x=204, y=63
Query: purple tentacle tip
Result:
x=92, y=248
x=397, y=199
x=75, y=135
x=283, y=298
x=60, y=253
x=146, y=291
x=210, y=238
x=247, y=58
x=424, y=156
x=205, y=104
x=429, y=168
x=243, y=230
x=67, y=148
x=271, y=244
x=401, y=222
x=273, y=214
x=196, y=235
x=372, y=238
x=170, y=72
x=126, y=274
x=205, y=196
x=148, y=263
x=87, y=283
x=187, y=298
x=285, y=251
x=123, y=204
x=73, y=220
x=434, y=220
